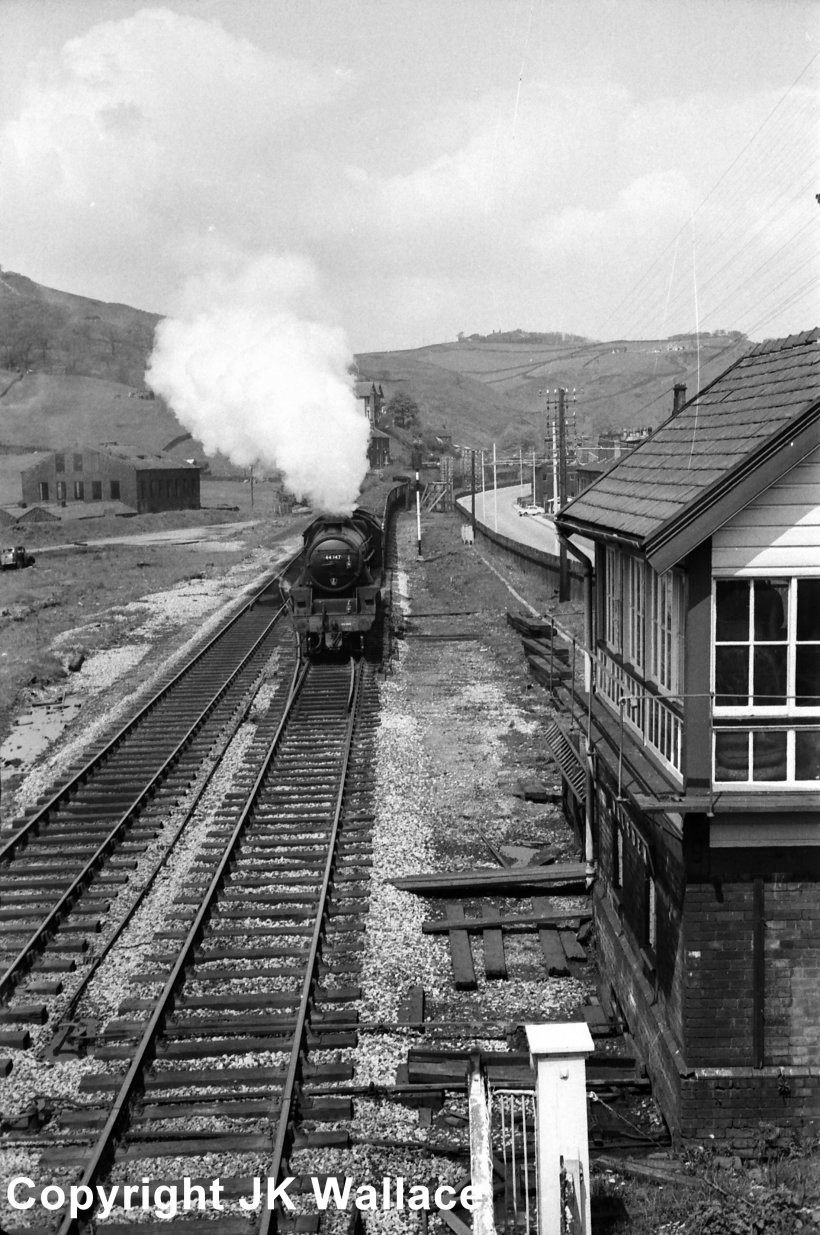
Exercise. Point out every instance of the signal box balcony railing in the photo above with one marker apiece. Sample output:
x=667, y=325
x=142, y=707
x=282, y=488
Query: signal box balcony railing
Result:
x=604, y=710
x=655, y=719
x=604, y=713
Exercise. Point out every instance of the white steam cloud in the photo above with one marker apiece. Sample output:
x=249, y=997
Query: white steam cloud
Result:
x=249, y=369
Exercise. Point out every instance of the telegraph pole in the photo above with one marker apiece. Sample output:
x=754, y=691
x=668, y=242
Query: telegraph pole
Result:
x=560, y=440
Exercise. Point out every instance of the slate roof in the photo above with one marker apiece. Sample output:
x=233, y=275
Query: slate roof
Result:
x=716, y=440
x=147, y=460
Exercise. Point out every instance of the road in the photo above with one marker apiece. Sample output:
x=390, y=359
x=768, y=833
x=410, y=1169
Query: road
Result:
x=498, y=510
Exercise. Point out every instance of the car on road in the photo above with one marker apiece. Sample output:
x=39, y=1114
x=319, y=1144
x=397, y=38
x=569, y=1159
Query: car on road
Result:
x=530, y=510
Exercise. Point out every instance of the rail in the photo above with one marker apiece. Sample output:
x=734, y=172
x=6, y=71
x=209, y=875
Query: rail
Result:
x=268, y=1225
x=145, y=1049
x=76, y=998
x=38, y=939
x=33, y=824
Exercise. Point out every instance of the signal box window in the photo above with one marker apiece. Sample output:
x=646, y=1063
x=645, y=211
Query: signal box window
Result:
x=767, y=668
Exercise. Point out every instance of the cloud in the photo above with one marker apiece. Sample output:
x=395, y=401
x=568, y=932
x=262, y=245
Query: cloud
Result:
x=147, y=136
x=156, y=147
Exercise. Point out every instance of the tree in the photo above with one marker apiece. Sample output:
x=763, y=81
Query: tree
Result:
x=404, y=410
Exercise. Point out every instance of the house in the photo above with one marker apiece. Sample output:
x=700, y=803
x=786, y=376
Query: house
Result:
x=145, y=482
x=696, y=770
x=372, y=398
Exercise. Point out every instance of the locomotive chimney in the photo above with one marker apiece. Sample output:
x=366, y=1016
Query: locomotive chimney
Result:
x=679, y=397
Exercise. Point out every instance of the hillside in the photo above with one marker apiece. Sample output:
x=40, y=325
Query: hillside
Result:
x=489, y=389
x=74, y=366
x=59, y=333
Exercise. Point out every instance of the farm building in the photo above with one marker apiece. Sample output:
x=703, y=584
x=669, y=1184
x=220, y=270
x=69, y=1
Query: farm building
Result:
x=378, y=449
x=696, y=772
x=145, y=482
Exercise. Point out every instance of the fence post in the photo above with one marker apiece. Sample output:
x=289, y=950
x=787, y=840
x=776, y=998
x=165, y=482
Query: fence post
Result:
x=481, y=1154
x=559, y=1052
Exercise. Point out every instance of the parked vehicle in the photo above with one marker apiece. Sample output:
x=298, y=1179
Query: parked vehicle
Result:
x=530, y=510
x=15, y=558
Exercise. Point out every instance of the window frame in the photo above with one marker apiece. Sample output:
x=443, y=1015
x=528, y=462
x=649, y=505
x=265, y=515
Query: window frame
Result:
x=666, y=622
x=748, y=719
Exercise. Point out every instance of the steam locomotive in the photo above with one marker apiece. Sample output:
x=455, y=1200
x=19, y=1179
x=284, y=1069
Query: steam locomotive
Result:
x=336, y=598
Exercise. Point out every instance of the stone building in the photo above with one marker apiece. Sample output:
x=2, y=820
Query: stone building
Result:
x=144, y=482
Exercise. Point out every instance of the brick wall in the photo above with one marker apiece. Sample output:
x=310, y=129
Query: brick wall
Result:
x=792, y=973
x=718, y=1020
x=732, y=1107
x=692, y=1016
x=719, y=1006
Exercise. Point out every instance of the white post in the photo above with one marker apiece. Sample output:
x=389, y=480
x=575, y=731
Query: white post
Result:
x=534, y=498
x=481, y=1155
x=559, y=1053
x=495, y=492
x=556, y=505
x=418, y=514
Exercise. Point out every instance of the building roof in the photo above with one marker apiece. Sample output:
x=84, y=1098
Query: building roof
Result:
x=731, y=441
x=142, y=460
x=146, y=459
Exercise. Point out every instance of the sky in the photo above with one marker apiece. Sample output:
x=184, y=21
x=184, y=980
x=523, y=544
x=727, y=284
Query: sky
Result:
x=430, y=167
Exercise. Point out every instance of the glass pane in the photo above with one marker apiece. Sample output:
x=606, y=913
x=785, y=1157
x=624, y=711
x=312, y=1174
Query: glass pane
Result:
x=732, y=606
x=807, y=676
x=732, y=754
x=769, y=754
x=771, y=610
x=807, y=754
x=808, y=609
x=770, y=675
x=731, y=676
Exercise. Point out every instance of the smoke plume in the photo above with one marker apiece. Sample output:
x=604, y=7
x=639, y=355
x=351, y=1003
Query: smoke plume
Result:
x=249, y=366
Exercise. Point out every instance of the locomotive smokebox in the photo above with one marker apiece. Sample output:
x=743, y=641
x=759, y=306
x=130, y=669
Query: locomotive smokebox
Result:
x=336, y=598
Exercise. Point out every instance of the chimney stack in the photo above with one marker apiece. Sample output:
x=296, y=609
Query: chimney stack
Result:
x=679, y=397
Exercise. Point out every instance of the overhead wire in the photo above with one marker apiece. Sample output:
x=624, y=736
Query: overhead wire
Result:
x=778, y=187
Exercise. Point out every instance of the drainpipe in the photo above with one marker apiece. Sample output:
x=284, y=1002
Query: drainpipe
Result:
x=589, y=799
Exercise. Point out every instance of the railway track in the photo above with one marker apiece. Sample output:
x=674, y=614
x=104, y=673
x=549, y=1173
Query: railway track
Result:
x=252, y=973
x=60, y=870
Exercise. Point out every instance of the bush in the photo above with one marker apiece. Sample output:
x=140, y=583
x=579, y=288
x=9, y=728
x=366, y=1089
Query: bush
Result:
x=772, y=1213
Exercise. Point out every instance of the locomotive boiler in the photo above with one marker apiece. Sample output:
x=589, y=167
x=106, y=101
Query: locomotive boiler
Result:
x=336, y=598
